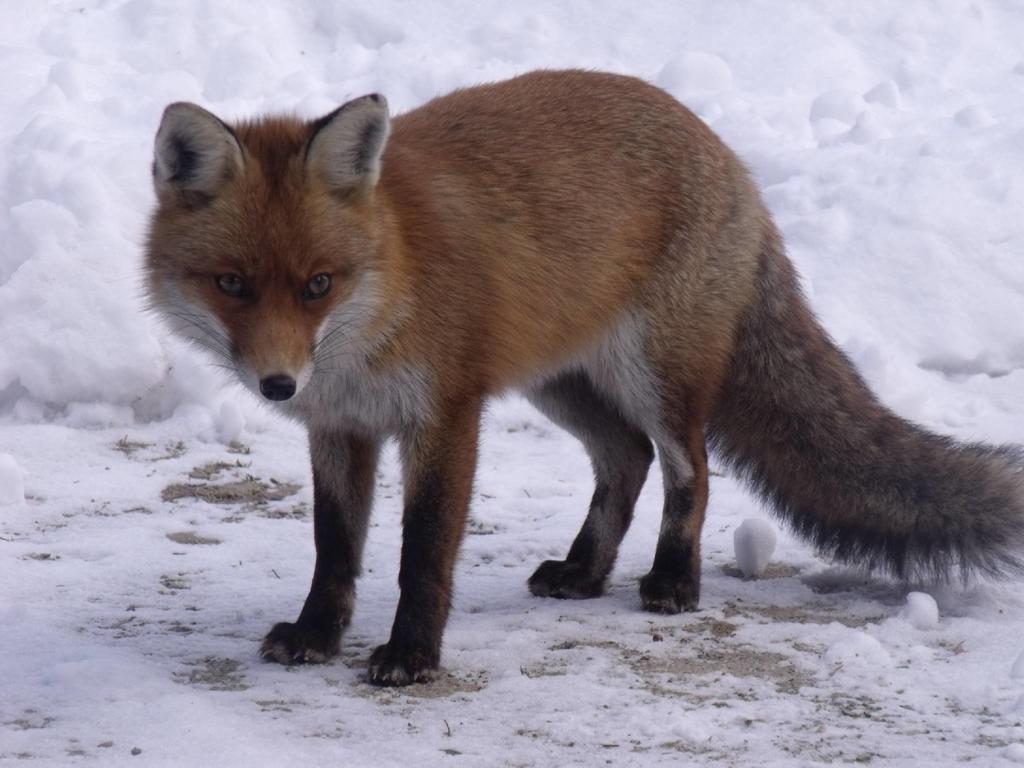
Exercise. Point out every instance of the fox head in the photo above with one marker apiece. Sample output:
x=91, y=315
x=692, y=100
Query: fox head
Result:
x=266, y=243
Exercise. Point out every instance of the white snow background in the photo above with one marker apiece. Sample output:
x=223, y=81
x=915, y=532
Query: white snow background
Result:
x=889, y=141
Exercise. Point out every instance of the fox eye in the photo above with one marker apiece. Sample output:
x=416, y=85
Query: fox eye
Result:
x=317, y=286
x=231, y=284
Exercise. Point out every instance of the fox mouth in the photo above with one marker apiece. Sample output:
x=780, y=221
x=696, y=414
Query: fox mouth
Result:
x=278, y=386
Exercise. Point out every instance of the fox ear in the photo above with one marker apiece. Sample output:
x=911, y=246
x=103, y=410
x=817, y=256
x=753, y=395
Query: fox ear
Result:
x=345, y=147
x=195, y=152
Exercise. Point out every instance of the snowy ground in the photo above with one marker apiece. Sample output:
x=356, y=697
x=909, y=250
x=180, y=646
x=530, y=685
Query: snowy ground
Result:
x=154, y=523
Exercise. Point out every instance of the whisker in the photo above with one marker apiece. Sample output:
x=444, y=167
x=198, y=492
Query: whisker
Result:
x=210, y=339
x=326, y=362
x=341, y=349
x=346, y=347
x=333, y=333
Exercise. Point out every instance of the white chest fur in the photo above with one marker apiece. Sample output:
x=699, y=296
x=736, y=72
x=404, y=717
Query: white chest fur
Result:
x=358, y=398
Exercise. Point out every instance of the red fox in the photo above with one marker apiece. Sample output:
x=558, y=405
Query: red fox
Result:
x=580, y=237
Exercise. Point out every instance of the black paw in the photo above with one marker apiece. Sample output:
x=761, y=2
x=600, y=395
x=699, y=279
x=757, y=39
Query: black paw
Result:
x=565, y=579
x=289, y=643
x=666, y=593
x=391, y=667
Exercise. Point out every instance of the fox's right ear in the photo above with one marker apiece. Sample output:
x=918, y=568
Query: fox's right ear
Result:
x=196, y=152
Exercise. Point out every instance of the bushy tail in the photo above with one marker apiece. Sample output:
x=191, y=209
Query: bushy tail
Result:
x=867, y=487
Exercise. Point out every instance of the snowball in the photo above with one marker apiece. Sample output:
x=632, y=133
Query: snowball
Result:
x=230, y=422
x=921, y=610
x=754, y=542
x=695, y=72
x=12, y=481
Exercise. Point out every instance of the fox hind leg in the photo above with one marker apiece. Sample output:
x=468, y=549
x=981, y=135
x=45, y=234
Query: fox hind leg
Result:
x=620, y=454
x=673, y=583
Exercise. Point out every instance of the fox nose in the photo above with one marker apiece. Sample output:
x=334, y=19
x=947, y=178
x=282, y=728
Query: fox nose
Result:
x=277, y=387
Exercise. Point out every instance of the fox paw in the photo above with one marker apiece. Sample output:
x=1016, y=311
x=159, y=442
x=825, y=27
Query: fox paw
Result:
x=390, y=667
x=564, y=579
x=665, y=593
x=289, y=643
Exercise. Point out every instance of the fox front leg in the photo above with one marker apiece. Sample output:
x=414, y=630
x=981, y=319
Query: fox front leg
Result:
x=439, y=465
x=344, y=466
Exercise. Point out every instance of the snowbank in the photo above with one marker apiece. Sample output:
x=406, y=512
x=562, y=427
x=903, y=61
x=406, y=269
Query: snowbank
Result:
x=888, y=151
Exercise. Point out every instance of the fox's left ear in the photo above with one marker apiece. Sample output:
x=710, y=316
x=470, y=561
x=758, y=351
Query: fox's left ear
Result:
x=345, y=147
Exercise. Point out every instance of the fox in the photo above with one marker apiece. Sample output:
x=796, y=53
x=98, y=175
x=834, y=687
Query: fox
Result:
x=582, y=238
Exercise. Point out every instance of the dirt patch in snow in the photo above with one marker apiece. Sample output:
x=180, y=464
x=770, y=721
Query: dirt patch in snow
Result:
x=214, y=673
x=444, y=686
x=211, y=469
x=811, y=613
x=251, y=490
x=143, y=451
x=771, y=571
x=717, y=660
x=191, y=538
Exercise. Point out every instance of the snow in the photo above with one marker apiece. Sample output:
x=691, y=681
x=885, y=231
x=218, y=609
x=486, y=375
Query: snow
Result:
x=1017, y=671
x=1015, y=752
x=887, y=139
x=693, y=73
x=12, y=481
x=754, y=542
x=861, y=651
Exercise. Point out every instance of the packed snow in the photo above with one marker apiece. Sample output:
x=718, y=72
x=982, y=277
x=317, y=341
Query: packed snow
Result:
x=155, y=519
